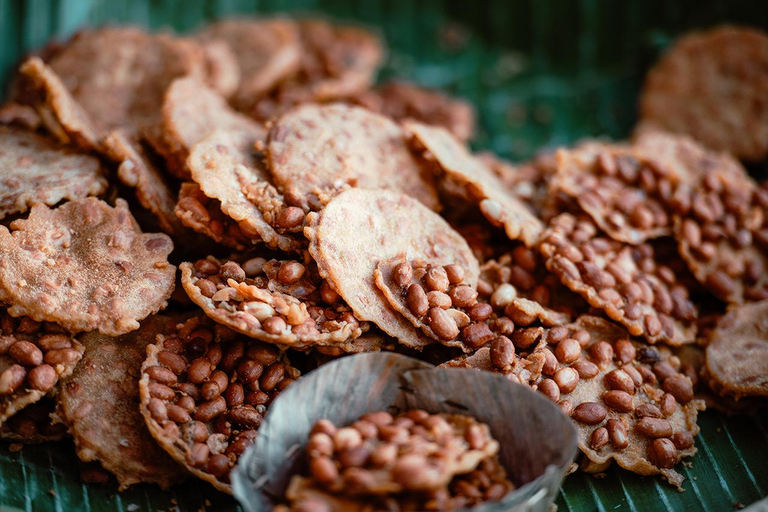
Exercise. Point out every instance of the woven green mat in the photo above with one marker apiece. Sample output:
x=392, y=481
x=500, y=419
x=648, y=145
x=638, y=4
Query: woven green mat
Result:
x=541, y=73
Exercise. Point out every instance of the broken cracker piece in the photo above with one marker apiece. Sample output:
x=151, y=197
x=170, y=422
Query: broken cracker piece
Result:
x=37, y=170
x=204, y=391
x=497, y=204
x=737, y=355
x=99, y=404
x=33, y=357
x=625, y=281
x=203, y=214
x=33, y=425
x=359, y=228
x=86, y=266
x=315, y=151
x=278, y=301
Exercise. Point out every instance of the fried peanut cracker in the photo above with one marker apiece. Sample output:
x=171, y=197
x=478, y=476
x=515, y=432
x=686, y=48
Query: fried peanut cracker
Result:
x=625, y=281
x=500, y=357
x=19, y=115
x=136, y=170
x=33, y=357
x=314, y=151
x=737, y=356
x=85, y=266
x=436, y=447
x=497, y=204
x=119, y=75
x=59, y=112
x=618, y=188
x=401, y=101
x=33, y=425
x=714, y=86
x=278, y=301
x=204, y=391
x=229, y=169
x=359, y=228
x=222, y=68
x=336, y=62
x=203, y=214
x=627, y=400
x=36, y=170
x=99, y=403
x=723, y=237
x=370, y=341
x=191, y=111
x=267, y=50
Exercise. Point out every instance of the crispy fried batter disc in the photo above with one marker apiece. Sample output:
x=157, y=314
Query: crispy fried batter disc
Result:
x=658, y=393
x=401, y=101
x=85, y=266
x=99, y=403
x=135, y=170
x=618, y=188
x=737, y=356
x=371, y=341
x=33, y=356
x=203, y=214
x=59, y=112
x=625, y=281
x=222, y=68
x=267, y=50
x=498, y=205
x=191, y=111
x=314, y=151
x=204, y=391
x=34, y=170
x=713, y=85
x=723, y=237
x=359, y=228
x=19, y=115
x=227, y=168
x=336, y=62
x=33, y=425
x=119, y=75
x=261, y=305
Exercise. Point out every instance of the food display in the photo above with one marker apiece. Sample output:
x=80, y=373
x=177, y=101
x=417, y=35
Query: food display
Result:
x=189, y=224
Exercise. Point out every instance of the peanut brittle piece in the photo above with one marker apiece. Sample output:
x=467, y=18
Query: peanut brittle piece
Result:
x=358, y=228
x=204, y=391
x=99, y=404
x=623, y=280
x=314, y=151
x=86, y=266
x=499, y=206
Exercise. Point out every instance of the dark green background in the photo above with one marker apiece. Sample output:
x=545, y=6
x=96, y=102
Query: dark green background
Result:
x=541, y=73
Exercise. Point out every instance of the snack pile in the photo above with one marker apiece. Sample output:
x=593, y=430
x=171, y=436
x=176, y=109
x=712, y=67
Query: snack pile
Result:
x=189, y=224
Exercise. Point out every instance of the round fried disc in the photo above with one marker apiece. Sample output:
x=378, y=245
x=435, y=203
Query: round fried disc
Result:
x=644, y=371
x=314, y=151
x=266, y=51
x=206, y=427
x=359, y=228
x=261, y=306
x=714, y=86
x=33, y=357
x=203, y=214
x=624, y=281
x=35, y=170
x=99, y=403
x=85, y=266
x=191, y=111
x=497, y=204
x=227, y=168
x=33, y=425
x=737, y=355
x=402, y=100
x=223, y=71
